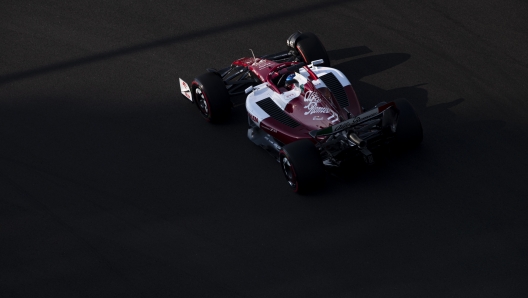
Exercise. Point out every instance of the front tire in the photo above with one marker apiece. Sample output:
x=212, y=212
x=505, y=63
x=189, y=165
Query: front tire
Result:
x=311, y=48
x=302, y=166
x=211, y=97
x=409, y=132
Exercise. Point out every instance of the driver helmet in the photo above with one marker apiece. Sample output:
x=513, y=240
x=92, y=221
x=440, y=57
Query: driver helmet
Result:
x=291, y=82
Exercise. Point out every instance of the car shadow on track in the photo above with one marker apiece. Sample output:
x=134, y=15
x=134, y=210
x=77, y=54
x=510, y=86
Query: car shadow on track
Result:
x=345, y=53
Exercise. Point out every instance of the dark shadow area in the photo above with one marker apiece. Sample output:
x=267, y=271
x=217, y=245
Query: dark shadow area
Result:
x=6, y=78
x=366, y=66
x=348, y=52
x=157, y=194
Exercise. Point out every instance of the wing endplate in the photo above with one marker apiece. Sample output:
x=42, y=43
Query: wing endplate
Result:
x=185, y=90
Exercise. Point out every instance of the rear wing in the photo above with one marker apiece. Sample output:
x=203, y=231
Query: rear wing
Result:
x=351, y=122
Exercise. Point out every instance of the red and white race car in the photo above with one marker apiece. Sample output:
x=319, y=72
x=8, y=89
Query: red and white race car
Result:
x=303, y=112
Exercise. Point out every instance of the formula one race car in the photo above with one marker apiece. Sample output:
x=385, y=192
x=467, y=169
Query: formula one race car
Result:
x=304, y=112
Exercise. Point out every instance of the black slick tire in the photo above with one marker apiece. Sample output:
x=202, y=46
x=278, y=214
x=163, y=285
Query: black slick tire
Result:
x=302, y=166
x=311, y=48
x=211, y=97
x=409, y=132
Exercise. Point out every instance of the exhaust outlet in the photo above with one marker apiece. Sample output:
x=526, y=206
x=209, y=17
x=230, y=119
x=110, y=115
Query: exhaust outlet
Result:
x=357, y=140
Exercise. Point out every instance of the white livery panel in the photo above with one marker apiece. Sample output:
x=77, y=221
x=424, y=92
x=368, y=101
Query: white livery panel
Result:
x=259, y=93
x=321, y=70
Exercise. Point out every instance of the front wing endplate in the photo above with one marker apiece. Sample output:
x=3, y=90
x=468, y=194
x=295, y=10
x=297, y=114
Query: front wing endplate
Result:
x=185, y=90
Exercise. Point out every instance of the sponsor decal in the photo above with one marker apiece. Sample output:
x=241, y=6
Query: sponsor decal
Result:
x=317, y=118
x=277, y=147
x=268, y=128
x=351, y=122
x=254, y=118
x=313, y=106
x=313, y=98
x=333, y=118
x=187, y=94
x=261, y=64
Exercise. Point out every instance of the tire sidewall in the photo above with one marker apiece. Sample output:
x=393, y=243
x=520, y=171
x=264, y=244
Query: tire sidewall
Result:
x=306, y=164
x=194, y=86
x=216, y=97
x=283, y=155
x=311, y=48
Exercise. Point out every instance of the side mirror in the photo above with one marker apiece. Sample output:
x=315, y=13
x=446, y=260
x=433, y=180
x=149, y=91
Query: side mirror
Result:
x=317, y=62
x=249, y=89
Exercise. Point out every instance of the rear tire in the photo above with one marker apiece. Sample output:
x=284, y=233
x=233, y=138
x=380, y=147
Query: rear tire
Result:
x=211, y=97
x=409, y=132
x=311, y=48
x=302, y=166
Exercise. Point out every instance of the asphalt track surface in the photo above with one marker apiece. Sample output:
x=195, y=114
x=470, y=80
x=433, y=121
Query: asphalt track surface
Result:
x=111, y=184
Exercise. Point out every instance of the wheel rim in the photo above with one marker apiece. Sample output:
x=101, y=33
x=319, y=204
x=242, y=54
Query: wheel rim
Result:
x=288, y=171
x=202, y=103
